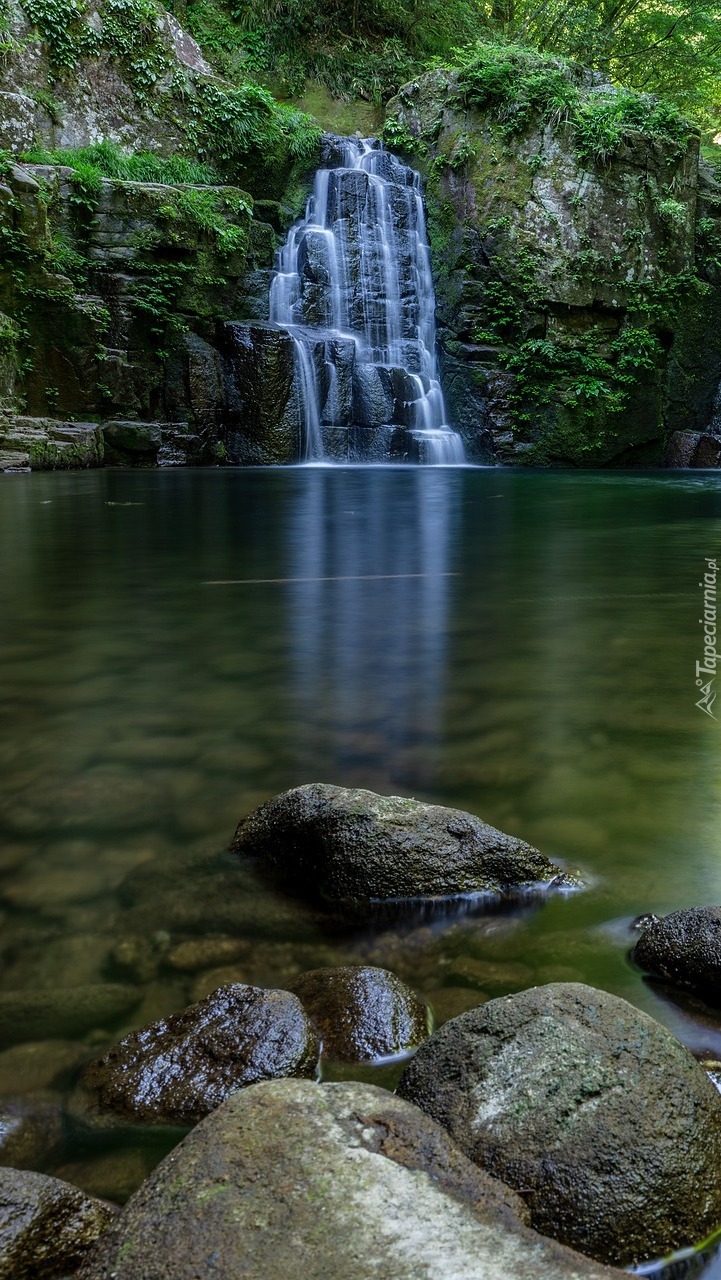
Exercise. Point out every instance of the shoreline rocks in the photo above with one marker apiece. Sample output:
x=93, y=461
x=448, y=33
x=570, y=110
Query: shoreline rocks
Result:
x=362, y=1014
x=332, y=1180
x=685, y=948
x=46, y=1226
x=348, y=846
x=177, y=1070
x=592, y=1110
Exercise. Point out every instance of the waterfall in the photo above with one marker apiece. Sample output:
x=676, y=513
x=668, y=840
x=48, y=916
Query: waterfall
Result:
x=354, y=289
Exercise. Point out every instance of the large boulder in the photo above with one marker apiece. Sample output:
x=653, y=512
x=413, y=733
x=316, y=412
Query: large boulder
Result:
x=348, y=845
x=291, y=1178
x=594, y=1112
x=175, y=1071
x=46, y=1226
x=685, y=947
x=362, y=1014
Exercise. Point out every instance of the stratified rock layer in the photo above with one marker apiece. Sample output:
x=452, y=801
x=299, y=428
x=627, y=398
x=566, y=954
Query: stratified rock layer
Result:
x=341, y=1180
x=594, y=1112
x=349, y=845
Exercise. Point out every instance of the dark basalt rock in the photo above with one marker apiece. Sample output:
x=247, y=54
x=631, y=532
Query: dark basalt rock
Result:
x=595, y=1113
x=46, y=1226
x=177, y=1070
x=685, y=947
x=350, y=846
x=339, y=1180
x=362, y=1014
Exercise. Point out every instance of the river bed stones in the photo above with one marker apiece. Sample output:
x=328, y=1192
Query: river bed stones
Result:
x=46, y=1226
x=362, y=1014
x=291, y=1178
x=685, y=948
x=178, y=1069
x=347, y=846
x=594, y=1112
x=63, y=1011
x=31, y=1130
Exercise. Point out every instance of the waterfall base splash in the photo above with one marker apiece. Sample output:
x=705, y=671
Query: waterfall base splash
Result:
x=354, y=291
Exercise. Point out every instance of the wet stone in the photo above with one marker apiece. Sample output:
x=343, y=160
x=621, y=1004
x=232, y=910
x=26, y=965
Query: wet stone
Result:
x=353, y=846
x=603, y=1122
x=31, y=1131
x=46, y=1226
x=362, y=1013
x=338, y=1180
x=177, y=1070
x=685, y=948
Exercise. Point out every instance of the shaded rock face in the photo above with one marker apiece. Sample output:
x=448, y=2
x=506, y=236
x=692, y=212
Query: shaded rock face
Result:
x=262, y=414
x=362, y=1014
x=127, y=365
x=177, y=1070
x=533, y=242
x=46, y=1226
x=685, y=947
x=353, y=846
x=329, y=1180
x=593, y=1111
x=693, y=449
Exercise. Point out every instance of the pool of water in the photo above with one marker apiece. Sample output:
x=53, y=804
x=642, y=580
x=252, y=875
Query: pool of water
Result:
x=177, y=646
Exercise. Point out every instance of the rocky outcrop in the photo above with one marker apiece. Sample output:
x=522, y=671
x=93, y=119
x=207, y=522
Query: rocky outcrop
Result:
x=685, y=948
x=119, y=292
x=352, y=846
x=577, y=301
x=177, y=1070
x=340, y=1180
x=46, y=1226
x=594, y=1112
x=362, y=1014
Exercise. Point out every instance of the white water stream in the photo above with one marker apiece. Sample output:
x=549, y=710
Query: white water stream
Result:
x=354, y=289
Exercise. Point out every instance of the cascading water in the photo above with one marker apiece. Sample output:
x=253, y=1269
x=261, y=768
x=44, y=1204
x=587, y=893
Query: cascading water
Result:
x=354, y=290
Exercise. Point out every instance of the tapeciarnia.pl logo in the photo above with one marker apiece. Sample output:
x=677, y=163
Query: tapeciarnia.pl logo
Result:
x=707, y=668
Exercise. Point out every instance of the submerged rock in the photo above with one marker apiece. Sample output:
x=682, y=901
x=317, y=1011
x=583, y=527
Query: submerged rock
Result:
x=46, y=1226
x=594, y=1112
x=63, y=1011
x=175, y=1071
x=338, y=1180
x=685, y=947
x=348, y=845
x=362, y=1014
x=31, y=1131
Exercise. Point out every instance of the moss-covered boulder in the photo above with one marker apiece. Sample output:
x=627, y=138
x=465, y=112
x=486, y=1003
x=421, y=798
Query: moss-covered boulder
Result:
x=350, y=846
x=336, y=1180
x=595, y=1113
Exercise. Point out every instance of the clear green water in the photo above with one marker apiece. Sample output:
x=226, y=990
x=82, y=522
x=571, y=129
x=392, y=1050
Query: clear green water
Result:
x=175, y=647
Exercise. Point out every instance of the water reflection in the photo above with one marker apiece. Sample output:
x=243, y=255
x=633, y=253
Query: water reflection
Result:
x=368, y=617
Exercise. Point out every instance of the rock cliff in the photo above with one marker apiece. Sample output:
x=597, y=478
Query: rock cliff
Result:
x=575, y=242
